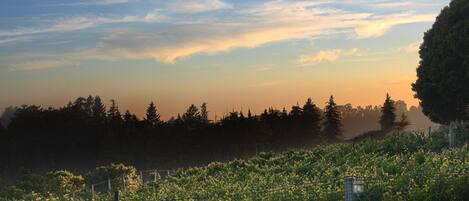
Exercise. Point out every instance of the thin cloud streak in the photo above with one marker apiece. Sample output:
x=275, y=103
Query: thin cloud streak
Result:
x=325, y=56
x=83, y=22
x=94, y=3
x=191, y=6
x=266, y=23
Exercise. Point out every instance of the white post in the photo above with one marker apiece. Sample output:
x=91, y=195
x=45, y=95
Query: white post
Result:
x=141, y=177
x=109, y=185
x=92, y=191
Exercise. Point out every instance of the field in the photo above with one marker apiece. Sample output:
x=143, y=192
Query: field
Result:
x=402, y=166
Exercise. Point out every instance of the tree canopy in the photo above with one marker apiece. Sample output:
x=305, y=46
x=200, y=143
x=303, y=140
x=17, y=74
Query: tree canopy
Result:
x=443, y=73
x=332, y=121
x=388, y=115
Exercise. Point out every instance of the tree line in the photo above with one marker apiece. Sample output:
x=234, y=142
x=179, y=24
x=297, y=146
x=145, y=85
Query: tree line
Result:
x=85, y=133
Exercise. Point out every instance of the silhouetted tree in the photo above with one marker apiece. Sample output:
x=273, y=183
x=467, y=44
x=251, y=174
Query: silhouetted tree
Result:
x=442, y=76
x=311, y=118
x=99, y=110
x=114, y=115
x=192, y=114
x=89, y=106
x=152, y=119
x=332, y=121
x=204, y=113
x=192, y=118
x=388, y=115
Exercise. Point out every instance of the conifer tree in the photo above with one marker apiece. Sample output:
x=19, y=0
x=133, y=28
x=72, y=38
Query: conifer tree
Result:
x=99, y=110
x=204, y=113
x=388, y=115
x=89, y=106
x=332, y=121
x=152, y=119
x=113, y=113
x=311, y=117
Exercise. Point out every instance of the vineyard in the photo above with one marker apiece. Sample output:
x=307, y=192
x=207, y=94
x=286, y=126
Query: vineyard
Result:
x=402, y=166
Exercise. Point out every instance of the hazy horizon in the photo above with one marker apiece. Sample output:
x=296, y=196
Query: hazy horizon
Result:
x=231, y=54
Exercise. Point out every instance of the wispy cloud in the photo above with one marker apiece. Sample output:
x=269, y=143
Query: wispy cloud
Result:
x=193, y=6
x=413, y=47
x=256, y=25
x=325, y=56
x=94, y=3
x=377, y=26
x=82, y=22
x=40, y=64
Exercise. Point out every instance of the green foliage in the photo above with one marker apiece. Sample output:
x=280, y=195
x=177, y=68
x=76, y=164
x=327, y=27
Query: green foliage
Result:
x=121, y=176
x=58, y=185
x=402, y=166
x=388, y=115
x=442, y=84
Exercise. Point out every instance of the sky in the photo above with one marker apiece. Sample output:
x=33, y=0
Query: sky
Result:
x=234, y=55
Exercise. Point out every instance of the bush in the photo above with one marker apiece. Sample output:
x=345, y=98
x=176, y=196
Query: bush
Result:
x=121, y=176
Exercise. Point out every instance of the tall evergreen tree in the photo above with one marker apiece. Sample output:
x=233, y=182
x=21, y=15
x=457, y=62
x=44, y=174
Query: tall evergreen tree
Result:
x=311, y=117
x=130, y=120
x=152, y=119
x=192, y=114
x=332, y=121
x=99, y=110
x=388, y=115
x=89, y=106
x=113, y=113
x=204, y=113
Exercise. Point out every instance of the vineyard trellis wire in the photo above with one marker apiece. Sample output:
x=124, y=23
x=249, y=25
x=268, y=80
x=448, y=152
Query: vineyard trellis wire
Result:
x=154, y=175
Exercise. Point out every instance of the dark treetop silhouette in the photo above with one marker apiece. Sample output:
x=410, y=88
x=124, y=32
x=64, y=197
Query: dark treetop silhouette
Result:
x=82, y=134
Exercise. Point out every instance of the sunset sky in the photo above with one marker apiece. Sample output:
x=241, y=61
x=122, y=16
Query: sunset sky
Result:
x=231, y=54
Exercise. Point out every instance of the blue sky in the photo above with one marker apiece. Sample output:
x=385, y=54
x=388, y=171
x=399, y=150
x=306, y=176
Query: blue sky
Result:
x=232, y=54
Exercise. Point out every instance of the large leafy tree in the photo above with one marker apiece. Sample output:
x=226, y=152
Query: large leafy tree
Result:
x=332, y=121
x=388, y=114
x=443, y=73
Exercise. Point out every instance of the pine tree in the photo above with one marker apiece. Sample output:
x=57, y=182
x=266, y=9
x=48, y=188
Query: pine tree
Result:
x=99, y=110
x=204, y=113
x=311, y=117
x=113, y=113
x=332, y=121
x=192, y=114
x=388, y=115
x=152, y=119
x=89, y=106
